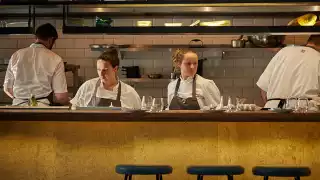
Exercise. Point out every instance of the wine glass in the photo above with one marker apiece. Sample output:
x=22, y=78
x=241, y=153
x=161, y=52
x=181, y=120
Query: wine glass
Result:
x=157, y=105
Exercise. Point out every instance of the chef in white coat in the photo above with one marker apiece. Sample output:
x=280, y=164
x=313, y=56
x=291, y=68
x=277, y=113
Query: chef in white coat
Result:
x=292, y=73
x=190, y=91
x=37, y=71
x=107, y=89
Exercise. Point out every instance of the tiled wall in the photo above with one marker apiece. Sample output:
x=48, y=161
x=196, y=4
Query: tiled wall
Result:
x=235, y=73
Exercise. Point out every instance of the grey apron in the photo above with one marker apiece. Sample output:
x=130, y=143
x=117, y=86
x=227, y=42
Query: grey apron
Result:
x=96, y=101
x=191, y=103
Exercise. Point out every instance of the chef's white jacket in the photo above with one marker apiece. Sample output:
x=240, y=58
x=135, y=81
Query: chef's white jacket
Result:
x=207, y=92
x=35, y=70
x=129, y=98
x=293, y=72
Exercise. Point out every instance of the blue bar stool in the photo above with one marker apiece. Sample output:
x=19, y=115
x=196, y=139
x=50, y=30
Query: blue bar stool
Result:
x=129, y=170
x=276, y=171
x=228, y=171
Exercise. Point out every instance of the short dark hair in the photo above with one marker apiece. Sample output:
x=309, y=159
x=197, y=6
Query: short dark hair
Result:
x=314, y=39
x=110, y=55
x=46, y=31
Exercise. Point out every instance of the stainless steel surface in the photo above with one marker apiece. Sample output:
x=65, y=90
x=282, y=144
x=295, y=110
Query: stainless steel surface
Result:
x=206, y=9
x=266, y=40
x=238, y=43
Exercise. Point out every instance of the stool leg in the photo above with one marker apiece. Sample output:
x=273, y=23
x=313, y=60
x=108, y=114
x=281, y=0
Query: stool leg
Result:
x=200, y=177
x=297, y=178
x=130, y=176
x=126, y=177
x=230, y=177
x=266, y=178
x=158, y=177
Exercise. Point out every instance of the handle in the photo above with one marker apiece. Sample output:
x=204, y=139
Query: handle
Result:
x=196, y=40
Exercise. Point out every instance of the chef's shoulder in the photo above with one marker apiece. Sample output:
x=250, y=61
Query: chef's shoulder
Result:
x=172, y=84
x=205, y=82
x=126, y=88
x=89, y=84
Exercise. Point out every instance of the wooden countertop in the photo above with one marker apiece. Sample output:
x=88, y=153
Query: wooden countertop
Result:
x=166, y=116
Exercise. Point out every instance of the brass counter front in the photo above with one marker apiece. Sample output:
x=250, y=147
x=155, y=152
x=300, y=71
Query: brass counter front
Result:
x=50, y=150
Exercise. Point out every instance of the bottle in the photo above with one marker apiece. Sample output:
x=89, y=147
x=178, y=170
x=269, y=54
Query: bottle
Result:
x=33, y=101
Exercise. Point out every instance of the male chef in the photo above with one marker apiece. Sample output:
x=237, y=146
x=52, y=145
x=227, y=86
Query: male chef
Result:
x=292, y=73
x=37, y=71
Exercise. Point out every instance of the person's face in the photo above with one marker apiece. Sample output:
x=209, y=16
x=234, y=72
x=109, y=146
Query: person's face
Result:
x=105, y=71
x=189, y=64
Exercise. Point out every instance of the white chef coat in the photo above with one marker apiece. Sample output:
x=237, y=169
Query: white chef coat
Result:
x=35, y=70
x=207, y=92
x=129, y=98
x=293, y=72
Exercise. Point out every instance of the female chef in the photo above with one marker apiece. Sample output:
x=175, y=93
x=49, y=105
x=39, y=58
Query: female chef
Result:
x=107, y=88
x=190, y=91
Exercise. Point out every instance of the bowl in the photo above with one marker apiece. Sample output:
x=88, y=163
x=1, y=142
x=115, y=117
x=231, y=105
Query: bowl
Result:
x=155, y=76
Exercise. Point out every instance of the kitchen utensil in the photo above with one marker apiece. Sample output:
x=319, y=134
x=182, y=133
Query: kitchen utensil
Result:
x=238, y=43
x=216, y=23
x=196, y=23
x=266, y=40
x=103, y=21
x=131, y=71
x=155, y=76
x=304, y=20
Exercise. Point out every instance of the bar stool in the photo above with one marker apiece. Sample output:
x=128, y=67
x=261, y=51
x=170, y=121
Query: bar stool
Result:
x=276, y=171
x=228, y=171
x=129, y=170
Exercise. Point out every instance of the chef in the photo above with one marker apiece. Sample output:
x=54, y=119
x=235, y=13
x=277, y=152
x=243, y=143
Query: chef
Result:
x=37, y=71
x=107, y=89
x=190, y=91
x=292, y=73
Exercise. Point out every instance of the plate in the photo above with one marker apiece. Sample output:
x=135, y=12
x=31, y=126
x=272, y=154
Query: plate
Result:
x=279, y=110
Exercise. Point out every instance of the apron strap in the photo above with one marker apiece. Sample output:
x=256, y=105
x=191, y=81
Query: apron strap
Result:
x=177, y=87
x=98, y=84
x=194, y=86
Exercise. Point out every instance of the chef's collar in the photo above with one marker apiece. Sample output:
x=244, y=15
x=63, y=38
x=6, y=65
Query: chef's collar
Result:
x=37, y=45
x=189, y=79
x=114, y=89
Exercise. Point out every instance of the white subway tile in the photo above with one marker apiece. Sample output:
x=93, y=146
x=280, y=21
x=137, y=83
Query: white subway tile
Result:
x=104, y=41
x=233, y=92
x=143, y=63
x=162, y=21
x=251, y=92
x=7, y=53
x=84, y=63
x=161, y=83
x=242, y=21
x=94, y=36
x=127, y=62
x=8, y=43
x=166, y=72
x=92, y=54
x=263, y=21
x=90, y=73
x=70, y=82
x=147, y=71
x=23, y=43
x=121, y=41
x=60, y=52
x=147, y=84
x=243, y=82
x=65, y=43
x=223, y=82
x=301, y=40
x=143, y=55
x=282, y=21
x=83, y=43
x=75, y=53
x=214, y=72
x=247, y=62
x=123, y=22
x=162, y=63
x=268, y=54
x=289, y=39
x=222, y=40
x=44, y=21
x=234, y=72
x=217, y=62
x=164, y=40
x=261, y=62
x=252, y=72
x=142, y=40
x=154, y=92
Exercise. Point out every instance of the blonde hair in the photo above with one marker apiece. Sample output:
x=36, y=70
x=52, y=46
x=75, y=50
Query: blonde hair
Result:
x=178, y=56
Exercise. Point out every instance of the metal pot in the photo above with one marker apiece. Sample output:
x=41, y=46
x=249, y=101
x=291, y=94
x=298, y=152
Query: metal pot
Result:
x=238, y=43
x=266, y=40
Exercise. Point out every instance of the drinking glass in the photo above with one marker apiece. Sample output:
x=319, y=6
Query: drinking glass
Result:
x=157, y=105
x=303, y=104
x=146, y=103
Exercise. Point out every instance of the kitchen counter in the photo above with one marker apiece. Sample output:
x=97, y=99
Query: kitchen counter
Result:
x=88, y=144
x=166, y=116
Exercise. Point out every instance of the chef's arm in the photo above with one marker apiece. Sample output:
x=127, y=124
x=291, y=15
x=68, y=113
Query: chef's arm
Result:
x=62, y=98
x=9, y=92
x=263, y=95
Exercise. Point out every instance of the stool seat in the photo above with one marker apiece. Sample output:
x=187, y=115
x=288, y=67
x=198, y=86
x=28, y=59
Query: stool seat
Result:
x=281, y=171
x=215, y=170
x=143, y=169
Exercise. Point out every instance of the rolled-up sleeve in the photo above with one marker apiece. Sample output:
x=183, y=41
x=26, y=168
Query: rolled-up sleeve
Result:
x=59, y=82
x=9, y=77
